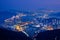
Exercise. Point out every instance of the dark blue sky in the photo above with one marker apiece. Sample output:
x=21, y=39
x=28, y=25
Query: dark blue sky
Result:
x=29, y=4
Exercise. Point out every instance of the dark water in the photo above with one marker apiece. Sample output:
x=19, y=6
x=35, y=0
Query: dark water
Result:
x=5, y=15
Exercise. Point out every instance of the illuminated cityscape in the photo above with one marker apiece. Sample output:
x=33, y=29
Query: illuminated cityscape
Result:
x=29, y=19
x=33, y=23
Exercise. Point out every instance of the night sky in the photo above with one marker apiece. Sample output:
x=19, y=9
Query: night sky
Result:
x=29, y=4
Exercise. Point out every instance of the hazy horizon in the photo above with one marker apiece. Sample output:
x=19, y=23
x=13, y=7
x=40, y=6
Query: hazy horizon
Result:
x=29, y=4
